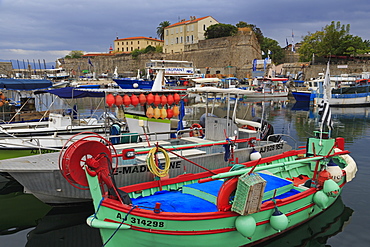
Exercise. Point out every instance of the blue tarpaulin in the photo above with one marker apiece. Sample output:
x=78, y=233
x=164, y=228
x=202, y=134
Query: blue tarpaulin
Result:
x=72, y=93
x=24, y=84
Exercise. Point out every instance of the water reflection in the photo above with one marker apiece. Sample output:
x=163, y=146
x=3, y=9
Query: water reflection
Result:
x=65, y=226
x=18, y=211
x=317, y=231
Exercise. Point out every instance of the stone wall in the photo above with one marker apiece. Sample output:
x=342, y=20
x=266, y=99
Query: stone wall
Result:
x=228, y=55
x=6, y=68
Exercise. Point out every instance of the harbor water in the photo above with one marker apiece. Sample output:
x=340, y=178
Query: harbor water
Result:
x=25, y=221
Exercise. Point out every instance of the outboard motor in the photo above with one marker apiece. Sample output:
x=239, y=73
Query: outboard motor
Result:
x=266, y=130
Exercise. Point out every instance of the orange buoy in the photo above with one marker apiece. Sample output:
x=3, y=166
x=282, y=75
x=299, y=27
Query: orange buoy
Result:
x=170, y=99
x=163, y=99
x=323, y=176
x=163, y=113
x=175, y=110
x=176, y=98
x=169, y=113
x=134, y=100
x=150, y=112
x=110, y=100
x=142, y=99
x=119, y=100
x=157, y=113
x=157, y=100
x=126, y=100
x=150, y=98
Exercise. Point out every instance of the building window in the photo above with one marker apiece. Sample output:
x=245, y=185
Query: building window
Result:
x=138, y=42
x=127, y=43
x=132, y=48
x=181, y=40
x=177, y=40
x=166, y=32
x=132, y=42
x=181, y=29
x=126, y=48
x=204, y=27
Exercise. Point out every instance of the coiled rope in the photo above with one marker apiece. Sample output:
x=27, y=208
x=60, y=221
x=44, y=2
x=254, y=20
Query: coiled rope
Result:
x=153, y=166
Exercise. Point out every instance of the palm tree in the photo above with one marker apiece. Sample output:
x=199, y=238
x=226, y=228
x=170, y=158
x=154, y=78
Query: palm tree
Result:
x=160, y=29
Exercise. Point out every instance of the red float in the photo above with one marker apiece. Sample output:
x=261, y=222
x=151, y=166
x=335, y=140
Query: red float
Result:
x=169, y=113
x=142, y=99
x=150, y=98
x=126, y=100
x=119, y=100
x=110, y=100
x=134, y=100
x=163, y=99
x=170, y=99
x=157, y=100
x=176, y=98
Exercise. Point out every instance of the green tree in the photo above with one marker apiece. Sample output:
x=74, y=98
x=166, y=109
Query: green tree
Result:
x=160, y=29
x=257, y=31
x=149, y=48
x=277, y=54
x=75, y=54
x=220, y=30
x=333, y=39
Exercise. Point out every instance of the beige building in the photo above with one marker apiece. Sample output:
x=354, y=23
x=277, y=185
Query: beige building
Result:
x=185, y=32
x=130, y=44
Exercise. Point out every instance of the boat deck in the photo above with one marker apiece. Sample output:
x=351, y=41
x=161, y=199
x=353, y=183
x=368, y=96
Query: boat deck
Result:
x=202, y=197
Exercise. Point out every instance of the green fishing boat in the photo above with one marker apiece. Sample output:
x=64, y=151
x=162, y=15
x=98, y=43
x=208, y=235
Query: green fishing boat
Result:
x=244, y=204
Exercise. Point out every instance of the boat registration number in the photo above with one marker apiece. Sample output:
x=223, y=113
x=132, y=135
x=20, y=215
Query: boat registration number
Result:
x=147, y=223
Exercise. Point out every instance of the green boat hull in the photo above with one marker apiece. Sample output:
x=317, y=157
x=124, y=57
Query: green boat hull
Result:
x=150, y=226
x=15, y=153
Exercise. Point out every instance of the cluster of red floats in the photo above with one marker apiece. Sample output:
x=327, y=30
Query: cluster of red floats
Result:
x=169, y=108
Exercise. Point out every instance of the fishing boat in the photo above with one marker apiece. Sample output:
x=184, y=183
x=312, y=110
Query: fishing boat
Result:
x=57, y=74
x=263, y=88
x=215, y=151
x=244, y=204
x=342, y=91
x=172, y=68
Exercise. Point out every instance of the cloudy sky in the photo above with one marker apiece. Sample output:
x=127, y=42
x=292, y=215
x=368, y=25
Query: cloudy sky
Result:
x=49, y=29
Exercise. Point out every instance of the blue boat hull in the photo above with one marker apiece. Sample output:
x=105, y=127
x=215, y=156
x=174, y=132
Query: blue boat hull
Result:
x=302, y=96
x=125, y=83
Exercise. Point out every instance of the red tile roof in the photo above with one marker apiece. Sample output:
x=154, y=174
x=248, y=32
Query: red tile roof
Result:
x=187, y=22
x=141, y=38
